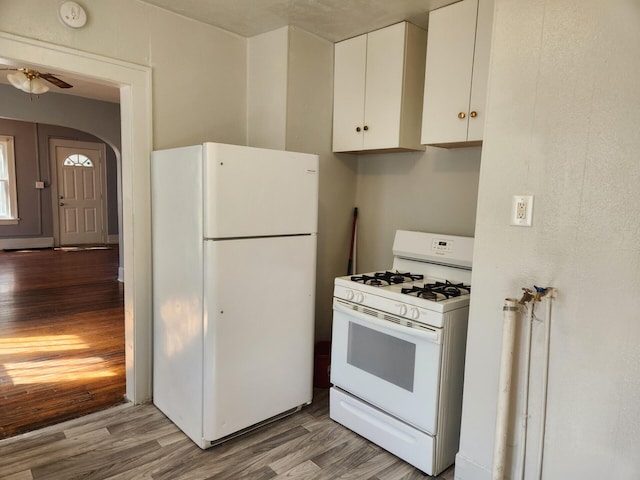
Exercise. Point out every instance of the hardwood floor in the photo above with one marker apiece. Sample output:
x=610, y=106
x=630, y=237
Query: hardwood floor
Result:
x=61, y=336
x=138, y=442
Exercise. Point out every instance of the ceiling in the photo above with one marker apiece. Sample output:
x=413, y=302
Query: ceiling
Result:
x=333, y=20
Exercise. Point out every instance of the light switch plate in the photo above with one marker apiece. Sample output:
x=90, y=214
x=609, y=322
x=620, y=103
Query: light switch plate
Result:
x=522, y=210
x=39, y=185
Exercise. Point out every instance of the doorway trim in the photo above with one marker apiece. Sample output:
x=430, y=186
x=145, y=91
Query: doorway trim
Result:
x=134, y=82
x=53, y=164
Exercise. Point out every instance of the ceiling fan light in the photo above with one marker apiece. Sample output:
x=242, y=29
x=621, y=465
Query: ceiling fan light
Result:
x=18, y=79
x=36, y=86
x=28, y=83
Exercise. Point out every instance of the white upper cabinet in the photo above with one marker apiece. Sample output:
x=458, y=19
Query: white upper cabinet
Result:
x=378, y=87
x=457, y=67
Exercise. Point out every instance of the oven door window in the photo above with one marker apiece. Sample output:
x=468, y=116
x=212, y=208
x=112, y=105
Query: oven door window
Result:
x=371, y=350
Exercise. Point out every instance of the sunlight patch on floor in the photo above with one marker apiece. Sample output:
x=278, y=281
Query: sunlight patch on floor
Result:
x=55, y=371
x=41, y=343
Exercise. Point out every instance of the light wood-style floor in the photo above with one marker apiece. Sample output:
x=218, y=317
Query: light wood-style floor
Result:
x=61, y=336
x=139, y=442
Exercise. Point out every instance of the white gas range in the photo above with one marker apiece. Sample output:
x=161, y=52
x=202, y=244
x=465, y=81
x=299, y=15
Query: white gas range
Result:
x=398, y=347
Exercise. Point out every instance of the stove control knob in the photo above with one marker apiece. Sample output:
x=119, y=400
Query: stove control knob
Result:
x=359, y=297
x=402, y=310
x=415, y=313
x=349, y=295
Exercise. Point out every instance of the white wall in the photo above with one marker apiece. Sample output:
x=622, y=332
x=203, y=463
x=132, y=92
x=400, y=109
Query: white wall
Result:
x=199, y=71
x=563, y=126
x=431, y=191
x=267, y=74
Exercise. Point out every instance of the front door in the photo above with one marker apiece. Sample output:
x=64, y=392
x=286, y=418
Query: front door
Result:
x=79, y=168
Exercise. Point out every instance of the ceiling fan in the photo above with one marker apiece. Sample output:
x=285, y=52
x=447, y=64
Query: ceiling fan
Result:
x=33, y=81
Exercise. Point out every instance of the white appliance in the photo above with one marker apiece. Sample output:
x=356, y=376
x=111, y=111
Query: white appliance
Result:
x=234, y=262
x=398, y=348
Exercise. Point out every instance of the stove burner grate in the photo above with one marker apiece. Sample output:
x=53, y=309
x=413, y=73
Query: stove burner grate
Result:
x=370, y=280
x=398, y=277
x=438, y=291
x=384, y=279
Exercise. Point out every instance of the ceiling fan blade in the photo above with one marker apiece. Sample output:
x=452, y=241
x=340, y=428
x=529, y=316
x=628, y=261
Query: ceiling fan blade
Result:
x=55, y=80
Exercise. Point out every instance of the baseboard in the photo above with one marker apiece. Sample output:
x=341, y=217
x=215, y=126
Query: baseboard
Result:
x=468, y=470
x=111, y=239
x=121, y=274
x=25, y=242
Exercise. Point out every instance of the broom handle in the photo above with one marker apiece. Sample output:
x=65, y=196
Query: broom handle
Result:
x=353, y=241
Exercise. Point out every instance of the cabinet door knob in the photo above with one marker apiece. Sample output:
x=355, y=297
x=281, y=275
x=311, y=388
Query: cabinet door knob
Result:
x=462, y=115
x=473, y=114
x=358, y=129
x=366, y=128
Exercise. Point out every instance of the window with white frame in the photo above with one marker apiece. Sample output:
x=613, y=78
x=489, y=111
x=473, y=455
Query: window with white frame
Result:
x=8, y=198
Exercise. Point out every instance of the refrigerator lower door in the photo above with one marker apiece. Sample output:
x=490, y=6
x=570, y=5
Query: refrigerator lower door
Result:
x=259, y=325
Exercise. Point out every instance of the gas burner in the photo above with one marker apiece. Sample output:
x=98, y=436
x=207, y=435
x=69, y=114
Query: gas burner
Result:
x=422, y=292
x=438, y=291
x=449, y=288
x=398, y=277
x=369, y=280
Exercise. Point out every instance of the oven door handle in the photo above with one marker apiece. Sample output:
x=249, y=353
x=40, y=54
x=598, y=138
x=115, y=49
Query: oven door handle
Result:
x=432, y=336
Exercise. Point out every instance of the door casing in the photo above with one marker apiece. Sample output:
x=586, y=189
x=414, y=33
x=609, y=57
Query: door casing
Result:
x=134, y=82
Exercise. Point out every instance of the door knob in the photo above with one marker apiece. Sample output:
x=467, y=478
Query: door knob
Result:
x=61, y=197
x=473, y=114
x=358, y=129
x=61, y=204
x=462, y=115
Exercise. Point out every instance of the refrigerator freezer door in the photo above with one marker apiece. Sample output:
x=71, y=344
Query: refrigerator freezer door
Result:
x=258, y=192
x=259, y=322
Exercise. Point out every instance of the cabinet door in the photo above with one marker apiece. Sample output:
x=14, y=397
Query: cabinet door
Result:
x=348, y=94
x=480, y=70
x=384, y=80
x=450, y=46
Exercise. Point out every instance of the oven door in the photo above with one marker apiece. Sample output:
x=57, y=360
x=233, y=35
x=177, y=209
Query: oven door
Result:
x=389, y=365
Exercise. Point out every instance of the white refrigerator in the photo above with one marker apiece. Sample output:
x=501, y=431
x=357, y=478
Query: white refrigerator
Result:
x=234, y=267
